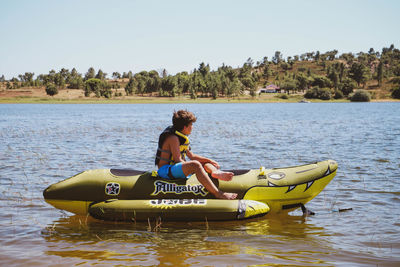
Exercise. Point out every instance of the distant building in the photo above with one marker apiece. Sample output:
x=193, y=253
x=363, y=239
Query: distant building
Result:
x=272, y=88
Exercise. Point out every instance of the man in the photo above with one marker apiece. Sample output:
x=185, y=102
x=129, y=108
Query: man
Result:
x=173, y=147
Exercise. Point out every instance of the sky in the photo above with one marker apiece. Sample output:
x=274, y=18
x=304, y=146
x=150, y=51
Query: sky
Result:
x=129, y=35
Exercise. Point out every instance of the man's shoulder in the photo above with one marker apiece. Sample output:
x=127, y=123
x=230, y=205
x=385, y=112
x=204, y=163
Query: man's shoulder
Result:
x=171, y=138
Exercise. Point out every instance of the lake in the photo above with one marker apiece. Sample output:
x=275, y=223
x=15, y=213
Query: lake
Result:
x=41, y=144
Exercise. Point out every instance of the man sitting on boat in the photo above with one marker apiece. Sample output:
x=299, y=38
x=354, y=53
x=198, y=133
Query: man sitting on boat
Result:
x=173, y=147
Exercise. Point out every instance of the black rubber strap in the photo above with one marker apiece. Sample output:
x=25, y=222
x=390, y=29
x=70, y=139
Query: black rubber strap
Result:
x=170, y=173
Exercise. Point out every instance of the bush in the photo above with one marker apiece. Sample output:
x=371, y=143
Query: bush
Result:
x=311, y=93
x=338, y=95
x=324, y=94
x=396, y=93
x=347, y=86
x=319, y=93
x=51, y=89
x=282, y=96
x=360, y=96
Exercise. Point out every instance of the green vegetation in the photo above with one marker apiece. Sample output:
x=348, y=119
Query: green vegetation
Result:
x=360, y=96
x=98, y=87
x=51, y=89
x=317, y=75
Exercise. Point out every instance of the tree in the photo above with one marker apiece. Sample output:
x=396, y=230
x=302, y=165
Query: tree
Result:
x=90, y=74
x=380, y=73
x=74, y=80
x=284, y=65
x=359, y=72
x=334, y=77
x=277, y=58
x=163, y=73
x=249, y=62
x=101, y=75
x=310, y=55
x=98, y=87
x=347, y=86
x=59, y=80
x=303, y=81
x=116, y=75
x=249, y=84
x=267, y=72
x=331, y=54
x=321, y=81
x=168, y=85
x=153, y=82
x=289, y=85
x=64, y=74
x=141, y=79
x=130, y=86
x=317, y=55
x=51, y=89
x=348, y=57
x=204, y=69
x=183, y=82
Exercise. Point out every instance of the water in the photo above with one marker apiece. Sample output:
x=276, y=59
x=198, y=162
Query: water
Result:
x=43, y=144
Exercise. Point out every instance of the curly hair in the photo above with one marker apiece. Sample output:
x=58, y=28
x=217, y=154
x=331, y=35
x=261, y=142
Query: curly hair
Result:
x=182, y=118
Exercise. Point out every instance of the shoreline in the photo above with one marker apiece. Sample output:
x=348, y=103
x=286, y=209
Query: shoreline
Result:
x=68, y=96
x=170, y=100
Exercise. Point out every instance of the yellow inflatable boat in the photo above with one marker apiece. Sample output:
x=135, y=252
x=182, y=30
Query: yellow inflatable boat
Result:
x=113, y=194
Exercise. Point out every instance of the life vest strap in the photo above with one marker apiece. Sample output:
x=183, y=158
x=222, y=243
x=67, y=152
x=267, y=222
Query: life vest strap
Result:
x=164, y=150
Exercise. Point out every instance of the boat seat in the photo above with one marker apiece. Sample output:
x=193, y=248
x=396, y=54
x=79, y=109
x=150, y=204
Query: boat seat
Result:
x=125, y=172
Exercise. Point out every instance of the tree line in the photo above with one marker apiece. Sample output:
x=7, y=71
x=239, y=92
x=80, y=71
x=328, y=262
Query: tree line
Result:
x=320, y=75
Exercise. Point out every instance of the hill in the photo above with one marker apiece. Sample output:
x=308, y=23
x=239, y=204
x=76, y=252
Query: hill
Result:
x=313, y=75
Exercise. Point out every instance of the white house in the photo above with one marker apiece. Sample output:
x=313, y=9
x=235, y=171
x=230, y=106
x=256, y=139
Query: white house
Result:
x=272, y=88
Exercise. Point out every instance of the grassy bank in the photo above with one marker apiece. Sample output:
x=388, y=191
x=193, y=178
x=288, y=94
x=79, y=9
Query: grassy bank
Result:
x=265, y=98
x=38, y=96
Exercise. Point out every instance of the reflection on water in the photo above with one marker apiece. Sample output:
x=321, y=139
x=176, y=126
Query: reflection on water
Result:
x=42, y=144
x=277, y=240
x=197, y=243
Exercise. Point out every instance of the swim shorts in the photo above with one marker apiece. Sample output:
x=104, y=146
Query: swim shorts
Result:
x=172, y=171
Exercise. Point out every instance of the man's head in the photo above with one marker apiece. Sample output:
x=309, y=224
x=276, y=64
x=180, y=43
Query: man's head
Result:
x=182, y=118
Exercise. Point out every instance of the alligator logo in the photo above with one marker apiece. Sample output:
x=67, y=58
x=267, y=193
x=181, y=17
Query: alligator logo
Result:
x=165, y=187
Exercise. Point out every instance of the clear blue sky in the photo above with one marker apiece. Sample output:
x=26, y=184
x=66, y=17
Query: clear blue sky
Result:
x=121, y=35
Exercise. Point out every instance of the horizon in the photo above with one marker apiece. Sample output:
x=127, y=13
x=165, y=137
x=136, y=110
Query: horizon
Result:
x=136, y=36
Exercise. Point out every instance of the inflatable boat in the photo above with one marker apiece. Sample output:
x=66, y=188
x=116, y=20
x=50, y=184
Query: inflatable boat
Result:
x=114, y=194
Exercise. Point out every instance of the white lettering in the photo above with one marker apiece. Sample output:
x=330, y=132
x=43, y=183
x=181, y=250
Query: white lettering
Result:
x=165, y=187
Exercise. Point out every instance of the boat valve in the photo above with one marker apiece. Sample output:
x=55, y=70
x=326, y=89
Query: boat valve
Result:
x=261, y=175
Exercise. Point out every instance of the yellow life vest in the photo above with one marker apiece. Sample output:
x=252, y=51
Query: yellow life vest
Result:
x=183, y=145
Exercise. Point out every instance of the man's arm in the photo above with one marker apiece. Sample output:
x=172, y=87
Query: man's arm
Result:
x=201, y=159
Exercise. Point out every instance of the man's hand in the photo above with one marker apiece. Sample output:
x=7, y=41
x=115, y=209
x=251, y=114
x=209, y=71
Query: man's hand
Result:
x=214, y=163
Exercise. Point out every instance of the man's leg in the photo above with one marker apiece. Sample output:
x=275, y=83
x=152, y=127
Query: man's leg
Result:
x=194, y=166
x=217, y=173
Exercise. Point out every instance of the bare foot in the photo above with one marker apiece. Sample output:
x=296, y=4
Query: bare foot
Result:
x=225, y=176
x=224, y=195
